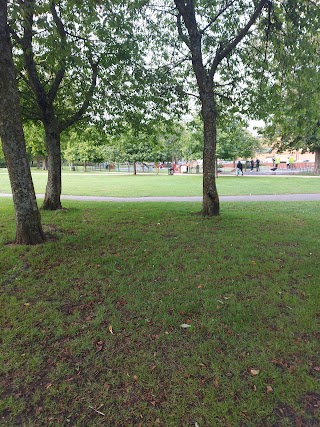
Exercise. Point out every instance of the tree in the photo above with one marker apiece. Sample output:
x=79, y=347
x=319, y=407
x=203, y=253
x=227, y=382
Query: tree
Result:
x=83, y=145
x=234, y=141
x=289, y=94
x=192, y=147
x=28, y=222
x=35, y=142
x=49, y=58
x=212, y=31
x=83, y=61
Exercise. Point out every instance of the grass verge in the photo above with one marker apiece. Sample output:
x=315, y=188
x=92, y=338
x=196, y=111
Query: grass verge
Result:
x=103, y=184
x=91, y=321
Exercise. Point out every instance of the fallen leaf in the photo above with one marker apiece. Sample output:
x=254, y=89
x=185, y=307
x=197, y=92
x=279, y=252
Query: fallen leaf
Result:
x=254, y=372
x=185, y=326
x=99, y=345
x=111, y=330
x=26, y=304
x=269, y=389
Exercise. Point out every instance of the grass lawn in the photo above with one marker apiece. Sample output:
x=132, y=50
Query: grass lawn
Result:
x=151, y=315
x=105, y=184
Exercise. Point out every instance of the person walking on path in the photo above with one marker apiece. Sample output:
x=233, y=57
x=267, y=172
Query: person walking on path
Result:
x=251, y=164
x=257, y=165
x=239, y=168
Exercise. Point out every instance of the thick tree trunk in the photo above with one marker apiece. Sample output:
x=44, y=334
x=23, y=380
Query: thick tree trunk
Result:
x=28, y=222
x=317, y=161
x=211, y=206
x=53, y=190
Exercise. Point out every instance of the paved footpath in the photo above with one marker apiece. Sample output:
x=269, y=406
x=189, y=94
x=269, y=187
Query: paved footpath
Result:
x=247, y=198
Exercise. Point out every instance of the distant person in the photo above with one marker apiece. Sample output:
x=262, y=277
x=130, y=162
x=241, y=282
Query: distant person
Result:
x=288, y=163
x=239, y=168
x=273, y=162
x=257, y=165
x=291, y=161
x=251, y=164
x=277, y=162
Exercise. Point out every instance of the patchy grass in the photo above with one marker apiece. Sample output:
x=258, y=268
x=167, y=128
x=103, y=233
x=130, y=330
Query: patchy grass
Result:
x=91, y=321
x=105, y=184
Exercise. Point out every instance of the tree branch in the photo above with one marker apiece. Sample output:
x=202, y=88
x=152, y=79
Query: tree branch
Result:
x=63, y=44
x=213, y=20
x=14, y=35
x=78, y=114
x=224, y=51
x=182, y=36
x=268, y=30
x=24, y=78
x=187, y=11
x=192, y=94
x=26, y=44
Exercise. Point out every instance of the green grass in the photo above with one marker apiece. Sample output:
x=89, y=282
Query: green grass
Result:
x=247, y=283
x=105, y=184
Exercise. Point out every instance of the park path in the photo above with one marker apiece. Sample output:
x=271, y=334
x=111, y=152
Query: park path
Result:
x=245, y=198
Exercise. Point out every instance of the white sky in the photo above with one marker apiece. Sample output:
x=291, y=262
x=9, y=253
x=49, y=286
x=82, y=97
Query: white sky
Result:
x=253, y=124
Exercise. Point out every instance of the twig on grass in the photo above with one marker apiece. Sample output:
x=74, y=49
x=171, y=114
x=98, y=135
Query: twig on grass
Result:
x=96, y=410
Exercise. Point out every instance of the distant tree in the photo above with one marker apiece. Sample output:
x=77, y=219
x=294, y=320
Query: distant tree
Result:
x=289, y=78
x=28, y=222
x=2, y=160
x=234, y=141
x=35, y=142
x=83, y=144
x=136, y=148
x=192, y=146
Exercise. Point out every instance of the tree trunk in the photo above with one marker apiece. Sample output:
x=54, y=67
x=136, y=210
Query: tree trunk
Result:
x=211, y=205
x=45, y=164
x=28, y=222
x=134, y=168
x=317, y=161
x=53, y=190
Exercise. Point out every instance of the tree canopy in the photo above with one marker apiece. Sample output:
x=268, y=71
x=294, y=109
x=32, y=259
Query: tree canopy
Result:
x=288, y=79
x=86, y=61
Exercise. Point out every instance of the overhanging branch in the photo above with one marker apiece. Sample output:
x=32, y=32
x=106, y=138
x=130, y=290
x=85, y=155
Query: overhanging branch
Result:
x=79, y=114
x=223, y=52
